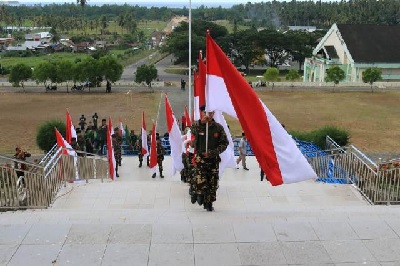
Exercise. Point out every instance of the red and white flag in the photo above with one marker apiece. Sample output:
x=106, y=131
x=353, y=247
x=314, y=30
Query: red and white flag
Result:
x=110, y=152
x=228, y=156
x=70, y=129
x=68, y=150
x=121, y=127
x=175, y=137
x=110, y=127
x=187, y=117
x=275, y=150
x=153, y=150
x=199, y=87
x=145, y=148
x=61, y=142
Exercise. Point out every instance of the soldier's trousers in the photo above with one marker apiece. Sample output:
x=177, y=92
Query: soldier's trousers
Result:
x=141, y=158
x=160, y=159
x=205, y=180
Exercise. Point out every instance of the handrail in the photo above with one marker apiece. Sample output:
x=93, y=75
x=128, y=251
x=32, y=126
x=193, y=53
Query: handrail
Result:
x=363, y=156
x=20, y=161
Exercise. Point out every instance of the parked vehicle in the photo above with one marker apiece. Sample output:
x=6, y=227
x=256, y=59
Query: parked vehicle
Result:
x=51, y=88
x=77, y=88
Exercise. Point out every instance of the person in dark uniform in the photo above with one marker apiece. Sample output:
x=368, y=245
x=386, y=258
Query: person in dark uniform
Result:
x=94, y=118
x=20, y=155
x=160, y=157
x=140, y=154
x=117, y=152
x=207, y=159
x=101, y=136
x=117, y=146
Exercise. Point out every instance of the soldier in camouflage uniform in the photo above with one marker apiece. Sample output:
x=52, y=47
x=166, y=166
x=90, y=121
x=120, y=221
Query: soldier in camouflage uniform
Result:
x=160, y=157
x=119, y=139
x=206, y=179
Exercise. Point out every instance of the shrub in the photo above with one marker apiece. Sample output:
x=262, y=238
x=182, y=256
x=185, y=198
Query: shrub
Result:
x=46, y=137
x=318, y=136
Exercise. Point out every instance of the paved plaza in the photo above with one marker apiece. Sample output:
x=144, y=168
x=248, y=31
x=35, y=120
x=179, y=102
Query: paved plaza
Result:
x=138, y=220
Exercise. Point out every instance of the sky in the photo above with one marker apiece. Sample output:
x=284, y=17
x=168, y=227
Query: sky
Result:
x=205, y=2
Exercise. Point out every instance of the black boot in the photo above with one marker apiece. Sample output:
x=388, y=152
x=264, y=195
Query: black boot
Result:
x=193, y=198
x=140, y=164
x=116, y=174
x=200, y=199
x=161, y=174
x=210, y=208
x=154, y=175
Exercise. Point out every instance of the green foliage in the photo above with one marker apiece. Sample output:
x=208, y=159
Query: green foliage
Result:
x=318, y=137
x=292, y=75
x=46, y=136
x=272, y=75
x=42, y=72
x=178, y=45
x=335, y=74
x=19, y=74
x=110, y=68
x=146, y=73
x=371, y=75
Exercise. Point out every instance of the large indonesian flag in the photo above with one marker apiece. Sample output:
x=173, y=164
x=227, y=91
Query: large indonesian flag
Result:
x=70, y=130
x=199, y=85
x=145, y=148
x=153, y=150
x=275, y=150
x=175, y=138
x=110, y=152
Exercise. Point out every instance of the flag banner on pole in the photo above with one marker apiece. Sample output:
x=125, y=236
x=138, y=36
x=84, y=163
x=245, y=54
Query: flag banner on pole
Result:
x=110, y=127
x=110, y=152
x=175, y=138
x=121, y=128
x=153, y=150
x=199, y=89
x=228, y=159
x=229, y=92
x=61, y=142
x=187, y=116
x=145, y=148
x=68, y=150
x=70, y=129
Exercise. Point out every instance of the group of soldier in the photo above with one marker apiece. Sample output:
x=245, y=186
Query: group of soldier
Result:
x=201, y=157
x=203, y=142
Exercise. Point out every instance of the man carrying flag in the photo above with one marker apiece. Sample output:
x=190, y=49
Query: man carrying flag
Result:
x=228, y=91
x=142, y=144
x=209, y=142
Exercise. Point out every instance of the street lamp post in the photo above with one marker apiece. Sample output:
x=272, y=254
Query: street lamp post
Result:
x=190, y=58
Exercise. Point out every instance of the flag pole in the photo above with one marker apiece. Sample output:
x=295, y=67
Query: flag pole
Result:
x=159, y=106
x=190, y=57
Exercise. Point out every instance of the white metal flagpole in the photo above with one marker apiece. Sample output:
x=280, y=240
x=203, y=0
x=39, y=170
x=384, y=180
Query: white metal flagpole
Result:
x=190, y=58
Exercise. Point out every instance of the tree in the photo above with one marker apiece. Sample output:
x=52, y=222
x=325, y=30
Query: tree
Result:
x=335, y=74
x=371, y=75
x=64, y=69
x=46, y=136
x=292, y=75
x=87, y=70
x=146, y=73
x=19, y=74
x=41, y=73
x=111, y=68
x=272, y=75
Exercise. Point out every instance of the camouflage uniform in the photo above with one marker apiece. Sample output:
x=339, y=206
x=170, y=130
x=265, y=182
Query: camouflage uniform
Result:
x=117, y=152
x=140, y=155
x=160, y=157
x=118, y=149
x=205, y=179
